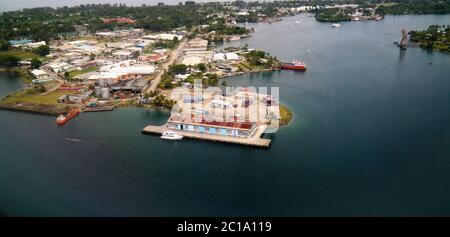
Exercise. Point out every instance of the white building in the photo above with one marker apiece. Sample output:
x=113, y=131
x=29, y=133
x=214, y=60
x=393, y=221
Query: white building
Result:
x=124, y=70
x=198, y=43
x=243, y=13
x=163, y=36
x=34, y=45
x=59, y=67
x=123, y=55
x=226, y=57
x=39, y=74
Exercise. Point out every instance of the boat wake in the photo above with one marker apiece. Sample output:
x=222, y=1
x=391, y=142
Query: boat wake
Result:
x=73, y=140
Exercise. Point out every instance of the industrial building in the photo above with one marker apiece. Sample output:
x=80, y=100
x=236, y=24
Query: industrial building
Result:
x=192, y=124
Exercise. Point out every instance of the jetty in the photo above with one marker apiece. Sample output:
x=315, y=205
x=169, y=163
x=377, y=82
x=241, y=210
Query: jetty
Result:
x=99, y=109
x=255, y=140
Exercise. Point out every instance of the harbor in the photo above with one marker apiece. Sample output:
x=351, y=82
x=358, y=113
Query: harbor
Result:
x=360, y=121
x=254, y=141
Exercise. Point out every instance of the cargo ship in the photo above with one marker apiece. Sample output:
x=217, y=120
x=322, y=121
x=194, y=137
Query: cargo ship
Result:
x=295, y=65
x=64, y=118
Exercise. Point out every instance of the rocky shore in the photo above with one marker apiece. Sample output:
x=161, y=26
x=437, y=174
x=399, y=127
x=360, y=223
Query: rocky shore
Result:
x=35, y=108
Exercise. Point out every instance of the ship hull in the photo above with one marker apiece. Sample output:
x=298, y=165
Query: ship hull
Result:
x=72, y=114
x=292, y=67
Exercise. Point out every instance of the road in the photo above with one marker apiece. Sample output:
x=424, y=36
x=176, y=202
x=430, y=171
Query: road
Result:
x=173, y=56
x=56, y=78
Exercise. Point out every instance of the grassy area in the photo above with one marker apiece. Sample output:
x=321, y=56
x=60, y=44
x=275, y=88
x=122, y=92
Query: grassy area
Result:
x=30, y=96
x=76, y=73
x=244, y=66
x=286, y=115
x=20, y=54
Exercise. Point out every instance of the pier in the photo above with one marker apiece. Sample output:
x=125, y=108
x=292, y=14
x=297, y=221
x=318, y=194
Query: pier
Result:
x=255, y=140
x=99, y=109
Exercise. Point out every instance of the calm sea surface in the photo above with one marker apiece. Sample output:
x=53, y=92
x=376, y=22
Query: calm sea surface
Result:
x=370, y=137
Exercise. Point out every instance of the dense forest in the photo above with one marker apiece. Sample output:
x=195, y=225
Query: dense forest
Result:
x=50, y=23
x=46, y=23
x=415, y=7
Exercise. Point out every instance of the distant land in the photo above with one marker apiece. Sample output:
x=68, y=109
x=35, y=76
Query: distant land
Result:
x=11, y=5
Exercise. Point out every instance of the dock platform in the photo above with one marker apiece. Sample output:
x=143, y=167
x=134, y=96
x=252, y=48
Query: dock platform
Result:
x=255, y=140
x=99, y=109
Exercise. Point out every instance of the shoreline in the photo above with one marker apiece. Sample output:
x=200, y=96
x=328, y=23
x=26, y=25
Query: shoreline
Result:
x=57, y=109
x=34, y=108
x=17, y=71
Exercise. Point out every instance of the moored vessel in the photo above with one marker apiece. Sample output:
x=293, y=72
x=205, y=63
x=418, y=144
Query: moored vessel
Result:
x=294, y=65
x=64, y=118
x=170, y=135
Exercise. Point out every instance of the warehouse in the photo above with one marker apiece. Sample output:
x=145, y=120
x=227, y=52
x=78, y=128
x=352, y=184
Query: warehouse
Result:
x=233, y=129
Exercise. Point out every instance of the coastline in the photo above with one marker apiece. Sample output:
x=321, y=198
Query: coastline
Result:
x=25, y=77
x=34, y=108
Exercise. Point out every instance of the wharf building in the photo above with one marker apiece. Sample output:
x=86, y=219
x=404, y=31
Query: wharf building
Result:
x=202, y=125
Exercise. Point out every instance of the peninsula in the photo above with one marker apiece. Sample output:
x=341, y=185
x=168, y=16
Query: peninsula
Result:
x=434, y=38
x=121, y=61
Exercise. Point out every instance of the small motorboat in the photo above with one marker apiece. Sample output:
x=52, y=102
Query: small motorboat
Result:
x=170, y=135
x=336, y=25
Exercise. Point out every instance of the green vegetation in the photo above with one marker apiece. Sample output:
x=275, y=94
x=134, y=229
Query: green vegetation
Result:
x=166, y=81
x=4, y=45
x=285, y=114
x=167, y=44
x=35, y=63
x=34, y=96
x=47, y=23
x=434, y=38
x=8, y=60
x=161, y=100
x=177, y=69
x=414, y=7
x=42, y=50
x=252, y=17
x=202, y=67
x=221, y=30
x=258, y=59
x=216, y=38
x=211, y=80
x=20, y=54
x=195, y=76
x=76, y=73
x=244, y=66
x=333, y=15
